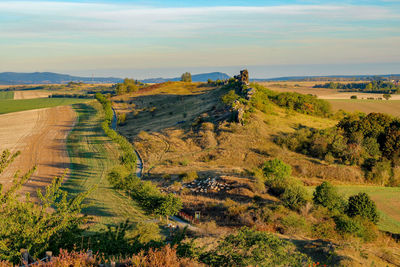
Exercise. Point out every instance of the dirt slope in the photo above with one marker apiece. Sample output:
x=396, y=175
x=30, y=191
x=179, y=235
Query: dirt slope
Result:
x=40, y=136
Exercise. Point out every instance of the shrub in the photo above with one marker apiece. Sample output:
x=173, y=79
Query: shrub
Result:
x=117, y=177
x=276, y=169
x=122, y=119
x=230, y=98
x=324, y=229
x=190, y=177
x=326, y=195
x=357, y=226
x=52, y=221
x=234, y=208
x=347, y=225
x=380, y=172
x=294, y=224
x=353, y=97
x=361, y=205
x=294, y=197
x=254, y=248
x=144, y=232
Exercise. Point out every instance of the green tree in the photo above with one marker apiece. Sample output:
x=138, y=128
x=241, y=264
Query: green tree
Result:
x=362, y=205
x=186, y=77
x=37, y=226
x=326, y=195
x=169, y=205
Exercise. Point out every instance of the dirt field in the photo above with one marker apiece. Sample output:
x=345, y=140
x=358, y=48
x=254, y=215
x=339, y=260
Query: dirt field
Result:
x=391, y=107
x=40, y=136
x=30, y=94
x=322, y=93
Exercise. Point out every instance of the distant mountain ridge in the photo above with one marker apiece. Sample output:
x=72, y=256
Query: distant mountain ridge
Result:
x=300, y=78
x=195, y=78
x=11, y=78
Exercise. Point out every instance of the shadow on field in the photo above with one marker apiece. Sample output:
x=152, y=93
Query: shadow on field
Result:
x=318, y=250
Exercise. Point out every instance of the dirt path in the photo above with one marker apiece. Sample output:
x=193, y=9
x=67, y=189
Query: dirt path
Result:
x=40, y=135
x=30, y=94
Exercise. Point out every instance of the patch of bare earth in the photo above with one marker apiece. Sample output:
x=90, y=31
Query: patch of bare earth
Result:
x=30, y=94
x=40, y=135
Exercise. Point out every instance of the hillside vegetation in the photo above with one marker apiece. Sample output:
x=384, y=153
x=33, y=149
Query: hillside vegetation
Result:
x=195, y=145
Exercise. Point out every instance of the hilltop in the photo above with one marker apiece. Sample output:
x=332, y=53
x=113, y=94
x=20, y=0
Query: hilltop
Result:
x=195, y=78
x=194, y=145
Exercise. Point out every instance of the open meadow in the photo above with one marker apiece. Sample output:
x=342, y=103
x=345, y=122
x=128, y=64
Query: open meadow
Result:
x=92, y=155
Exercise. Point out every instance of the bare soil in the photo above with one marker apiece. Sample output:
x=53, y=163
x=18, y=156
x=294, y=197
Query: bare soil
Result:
x=30, y=94
x=40, y=135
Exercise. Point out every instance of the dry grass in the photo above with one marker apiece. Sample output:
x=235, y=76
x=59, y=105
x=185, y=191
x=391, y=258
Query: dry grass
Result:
x=367, y=106
x=217, y=149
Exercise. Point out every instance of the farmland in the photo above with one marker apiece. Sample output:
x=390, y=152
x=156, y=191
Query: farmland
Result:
x=387, y=200
x=30, y=94
x=390, y=107
x=8, y=106
x=341, y=100
x=40, y=136
x=6, y=95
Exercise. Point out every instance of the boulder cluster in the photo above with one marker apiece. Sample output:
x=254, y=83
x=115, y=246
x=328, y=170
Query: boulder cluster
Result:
x=205, y=185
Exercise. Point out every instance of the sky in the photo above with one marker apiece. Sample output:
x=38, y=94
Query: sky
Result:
x=142, y=39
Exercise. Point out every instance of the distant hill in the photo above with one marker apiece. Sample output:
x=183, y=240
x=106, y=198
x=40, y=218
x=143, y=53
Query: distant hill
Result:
x=321, y=78
x=10, y=78
x=195, y=78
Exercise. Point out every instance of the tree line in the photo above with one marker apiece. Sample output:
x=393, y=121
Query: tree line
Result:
x=378, y=86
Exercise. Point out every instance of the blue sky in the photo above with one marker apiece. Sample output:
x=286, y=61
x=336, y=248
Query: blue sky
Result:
x=163, y=38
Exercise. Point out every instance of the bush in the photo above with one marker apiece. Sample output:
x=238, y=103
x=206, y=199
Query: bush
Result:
x=294, y=197
x=230, y=98
x=276, y=169
x=118, y=177
x=327, y=196
x=189, y=177
x=144, y=232
x=294, y=224
x=357, y=226
x=380, y=172
x=353, y=97
x=347, y=225
x=361, y=205
x=254, y=248
x=324, y=229
x=122, y=119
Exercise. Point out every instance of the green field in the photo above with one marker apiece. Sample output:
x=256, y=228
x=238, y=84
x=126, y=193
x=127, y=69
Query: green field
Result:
x=6, y=95
x=387, y=200
x=8, y=106
x=92, y=154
